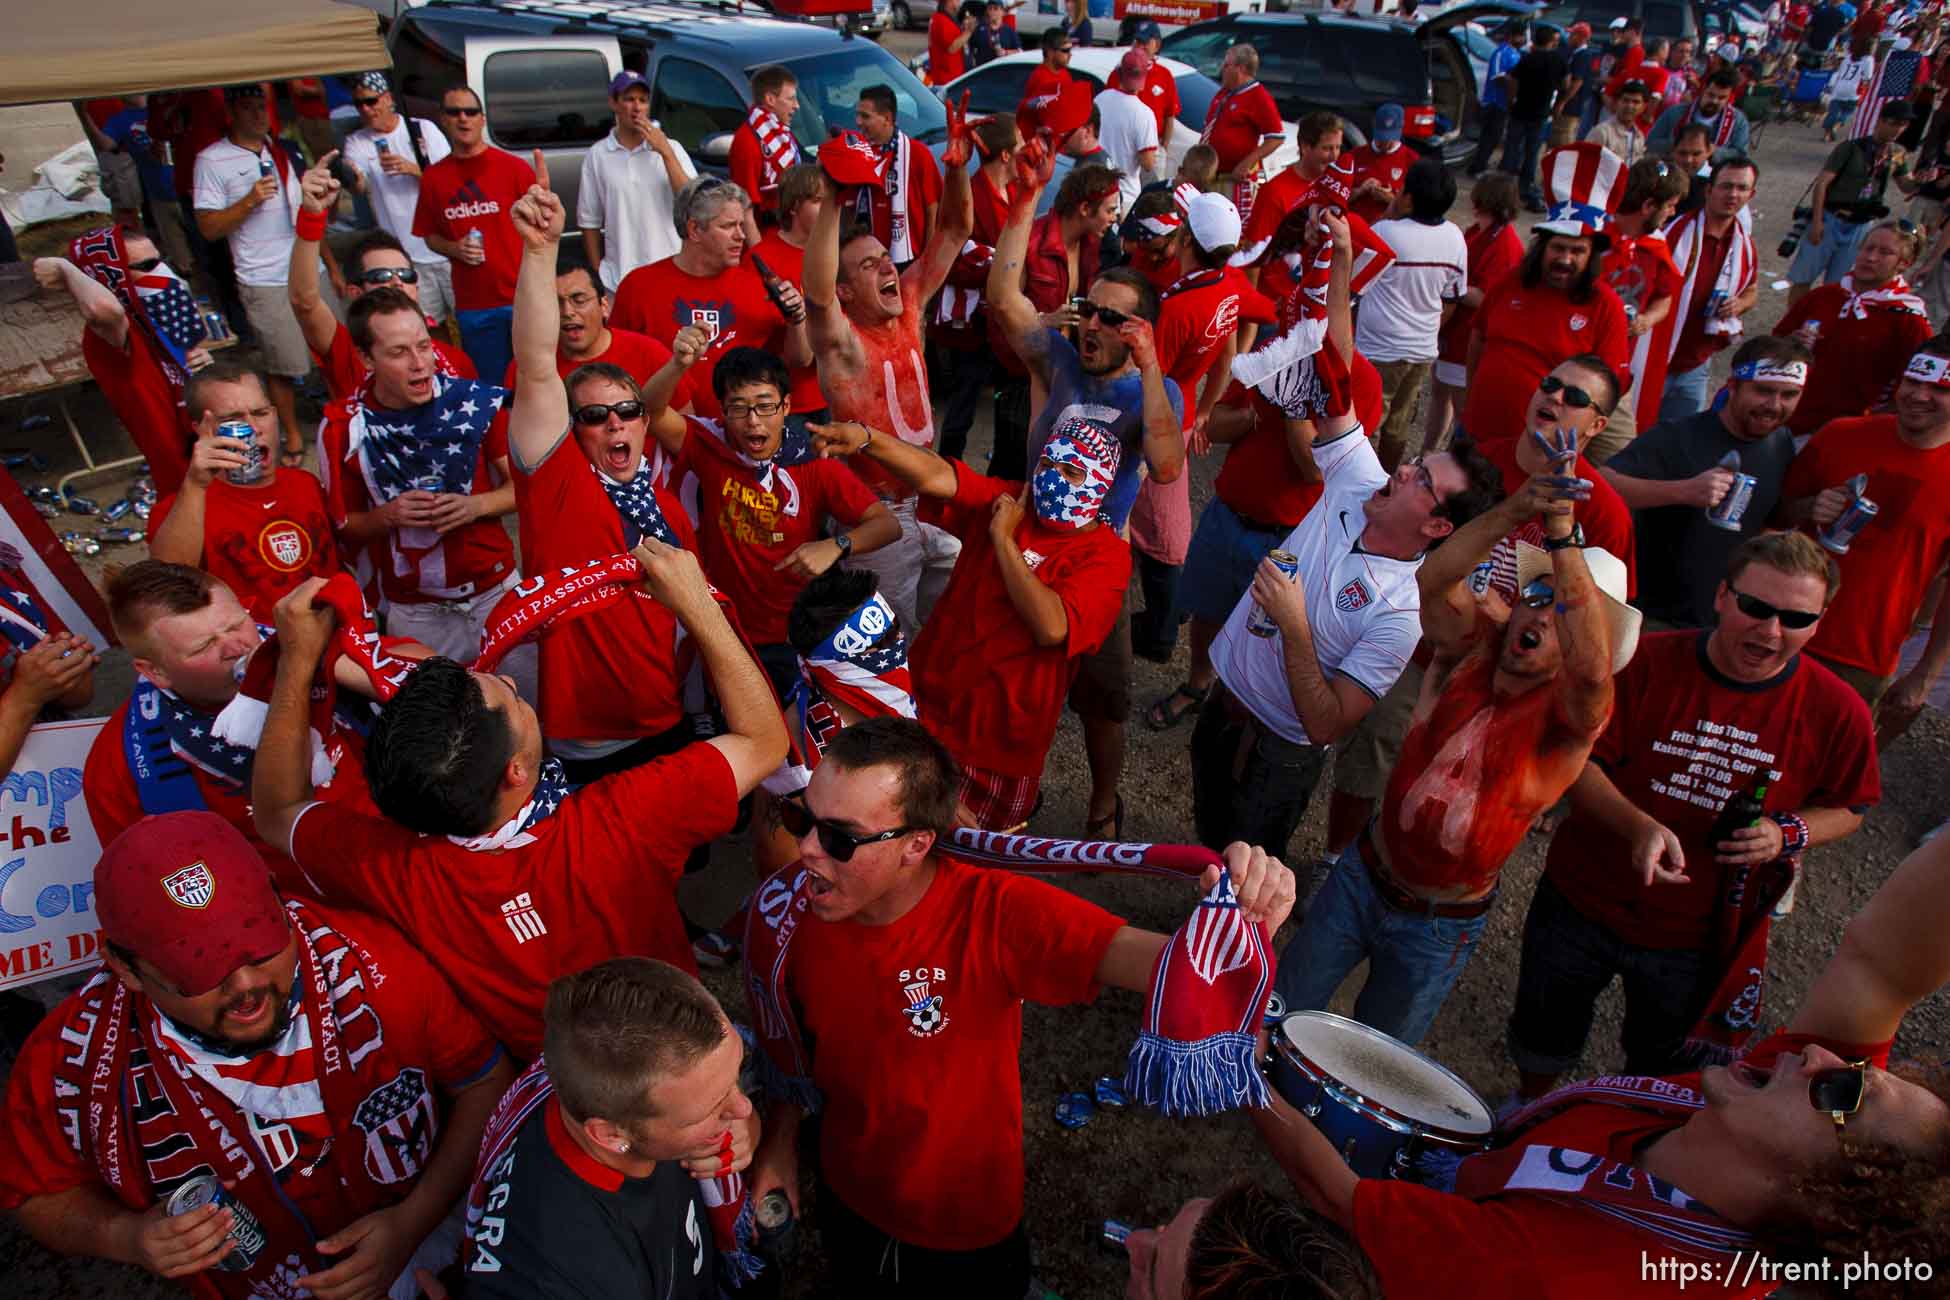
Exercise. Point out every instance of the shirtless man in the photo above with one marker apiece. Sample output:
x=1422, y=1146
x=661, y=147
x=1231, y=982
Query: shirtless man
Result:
x=1507, y=715
x=865, y=327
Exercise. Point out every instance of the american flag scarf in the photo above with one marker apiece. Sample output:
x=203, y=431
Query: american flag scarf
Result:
x=1686, y=242
x=1722, y=129
x=863, y=665
x=778, y=149
x=636, y=501
x=1895, y=79
x=158, y=300
x=1194, y=1049
x=435, y=447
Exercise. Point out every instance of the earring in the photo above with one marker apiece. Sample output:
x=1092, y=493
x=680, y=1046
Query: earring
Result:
x=622, y=1147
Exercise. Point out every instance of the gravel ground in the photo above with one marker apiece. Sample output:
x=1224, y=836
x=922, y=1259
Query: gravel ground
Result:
x=1135, y=1167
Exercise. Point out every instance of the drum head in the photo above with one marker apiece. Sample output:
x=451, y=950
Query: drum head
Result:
x=1388, y=1072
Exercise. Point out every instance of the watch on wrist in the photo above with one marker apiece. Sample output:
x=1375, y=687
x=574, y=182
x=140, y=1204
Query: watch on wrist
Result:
x=845, y=542
x=1575, y=538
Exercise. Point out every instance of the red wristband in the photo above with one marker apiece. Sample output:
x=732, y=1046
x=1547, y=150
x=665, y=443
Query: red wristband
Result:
x=311, y=225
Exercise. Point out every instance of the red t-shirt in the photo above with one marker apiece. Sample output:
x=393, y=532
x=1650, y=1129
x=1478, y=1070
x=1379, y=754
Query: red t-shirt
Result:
x=1279, y=194
x=744, y=531
x=1532, y=1246
x=345, y=370
x=144, y=400
x=660, y=299
x=1259, y=480
x=1694, y=345
x=261, y=543
x=1683, y=738
x=944, y=64
x=115, y=803
x=462, y=194
x=610, y=675
x=638, y=354
x=1200, y=312
x=1604, y=517
x=1891, y=561
x=1641, y=275
x=1494, y=252
x=1038, y=93
x=424, y=1025
x=1160, y=95
x=597, y=880
x=1527, y=332
x=468, y=561
x=1857, y=362
x=984, y=686
x=1237, y=121
x=789, y=263
x=1370, y=164
x=747, y=166
x=1652, y=74
x=948, y=1098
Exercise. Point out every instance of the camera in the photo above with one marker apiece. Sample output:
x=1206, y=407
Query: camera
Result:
x=1792, y=240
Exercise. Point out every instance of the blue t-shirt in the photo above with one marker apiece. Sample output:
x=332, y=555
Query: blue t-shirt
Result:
x=130, y=129
x=992, y=43
x=1116, y=405
x=1502, y=59
x=1584, y=70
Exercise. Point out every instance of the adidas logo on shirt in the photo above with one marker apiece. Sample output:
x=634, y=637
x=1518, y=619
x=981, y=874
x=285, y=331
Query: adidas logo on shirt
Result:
x=472, y=203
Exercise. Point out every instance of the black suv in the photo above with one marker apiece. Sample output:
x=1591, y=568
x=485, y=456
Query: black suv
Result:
x=542, y=70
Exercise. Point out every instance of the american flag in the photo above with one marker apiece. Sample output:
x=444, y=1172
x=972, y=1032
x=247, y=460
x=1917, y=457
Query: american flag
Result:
x=157, y=299
x=166, y=300
x=1895, y=79
x=434, y=447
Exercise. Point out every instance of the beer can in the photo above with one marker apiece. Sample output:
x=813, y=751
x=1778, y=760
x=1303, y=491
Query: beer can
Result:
x=116, y=509
x=122, y=536
x=1734, y=504
x=1113, y=1235
x=1258, y=621
x=382, y=144
x=80, y=544
x=475, y=237
x=245, y=1230
x=255, y=461
x=263, y=166
x=80, y=505
x=1075, y=1109
x=1837, y=536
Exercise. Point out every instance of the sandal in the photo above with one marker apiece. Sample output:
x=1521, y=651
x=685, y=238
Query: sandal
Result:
x=1162, y=717
x=1096, y=828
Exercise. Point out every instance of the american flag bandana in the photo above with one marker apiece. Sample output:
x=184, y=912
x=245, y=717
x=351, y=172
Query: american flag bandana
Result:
x=435, y=447
x=636, y=502
x=861, y=666
x=1088, y=446
x=551, y=788
x=157, y=300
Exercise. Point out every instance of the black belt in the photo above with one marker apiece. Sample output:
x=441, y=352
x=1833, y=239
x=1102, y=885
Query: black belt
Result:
x=1397, y=897
x=1253, y=525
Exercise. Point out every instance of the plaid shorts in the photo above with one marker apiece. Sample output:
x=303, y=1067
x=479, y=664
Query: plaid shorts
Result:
x=998, y=802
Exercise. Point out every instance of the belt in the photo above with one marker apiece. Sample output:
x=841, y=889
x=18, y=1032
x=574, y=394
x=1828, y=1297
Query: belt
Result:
x=1399, y=898
x=1253, y=525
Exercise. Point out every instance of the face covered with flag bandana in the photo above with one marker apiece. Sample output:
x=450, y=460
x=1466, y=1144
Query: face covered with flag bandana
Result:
x=1078, y=465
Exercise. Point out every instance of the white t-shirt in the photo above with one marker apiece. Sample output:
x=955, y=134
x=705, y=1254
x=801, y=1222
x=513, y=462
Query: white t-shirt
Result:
x=1850, y=77
x=261, y=246
x=626, y=194
x=394, y=197
x=1126, y=130
x=1402, y=310
x=1365, y=610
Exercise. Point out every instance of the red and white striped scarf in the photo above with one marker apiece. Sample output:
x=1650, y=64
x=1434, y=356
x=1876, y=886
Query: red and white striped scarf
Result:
x=1894, y=296
x=778, y=148
x=1722, y=131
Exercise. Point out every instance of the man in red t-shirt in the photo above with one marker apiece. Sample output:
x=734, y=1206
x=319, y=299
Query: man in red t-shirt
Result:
x=708, y=283
x=1046, y=81
x=1039, y=585
x=463, y=216
x=1888, y=567
x=1160, y=93
x=963, y=360
x=1319, y=137
x=908, y=970
x=309, y=1058
x=1381, y=165
x=763, y=147
x=260, y=535
x=1243, y=125
x=1603, y=1190
x=376, y=261
x=1716, y=257
x=901, y=209
x=948, y=38
x=1555, y=306
x=483, y=855
x=763, y=525
x=1639, y=269
x=1636, y=883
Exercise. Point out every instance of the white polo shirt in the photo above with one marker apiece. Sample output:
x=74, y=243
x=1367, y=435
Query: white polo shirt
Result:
x=1365, y=610
x=1126, y=128
x=626, y=194
x=261, y=246
x=395, y=196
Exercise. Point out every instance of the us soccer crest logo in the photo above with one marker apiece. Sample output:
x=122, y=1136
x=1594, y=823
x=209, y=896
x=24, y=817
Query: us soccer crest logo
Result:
x=1578, y=321
x=397, y=1120
x=713, y=317
x=1352, y=597
x=284, y=545
x=925, y=1017
x=193, y=886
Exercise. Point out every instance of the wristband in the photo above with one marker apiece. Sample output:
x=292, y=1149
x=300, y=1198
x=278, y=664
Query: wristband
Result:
x=1794, y=832
x=1571, y=541
x=311, y=225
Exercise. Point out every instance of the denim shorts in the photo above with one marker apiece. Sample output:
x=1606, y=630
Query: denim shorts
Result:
x=1219, y=564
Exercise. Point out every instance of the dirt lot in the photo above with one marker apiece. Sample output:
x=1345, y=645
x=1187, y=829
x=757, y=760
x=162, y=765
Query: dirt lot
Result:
x=1136, y=1167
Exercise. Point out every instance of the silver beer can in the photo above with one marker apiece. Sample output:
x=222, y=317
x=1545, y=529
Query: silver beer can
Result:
x=245, y=1231
x=1258, y=621
x=1734, y=504
x=255, y=462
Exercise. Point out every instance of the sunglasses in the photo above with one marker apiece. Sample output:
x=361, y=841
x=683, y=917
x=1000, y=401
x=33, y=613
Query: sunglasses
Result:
x=387, y=274
x=1574, y=397
x=366, y=103
x=837, y=841
x=461, y=112
x=146, y=264
x=1756, y=608
x=599, y=412
x=1087, y=310
x=1839, y=1091
x=1537, y=595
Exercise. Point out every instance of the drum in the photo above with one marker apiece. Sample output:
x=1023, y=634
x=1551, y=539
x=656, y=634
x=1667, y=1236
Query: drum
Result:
x=1378, y=1100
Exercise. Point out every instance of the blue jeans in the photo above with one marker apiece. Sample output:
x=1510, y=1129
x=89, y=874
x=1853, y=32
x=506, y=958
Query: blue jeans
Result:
x=1831, y=259
x=1522, y=141
x=487, y=336
x=1414, y=959
x=1248, y=783
x=1219, y=564
x=1685, y=394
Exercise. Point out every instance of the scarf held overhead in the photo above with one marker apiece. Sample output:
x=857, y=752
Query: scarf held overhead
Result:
x=157, y=301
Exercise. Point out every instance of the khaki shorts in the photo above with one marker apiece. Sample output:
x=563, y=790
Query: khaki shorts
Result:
x=1102, y=690
x=278, y=337
x=1870, y=686
x=1363, y=761
x=1401, y=392
x=437, y=290
x=1617, y=434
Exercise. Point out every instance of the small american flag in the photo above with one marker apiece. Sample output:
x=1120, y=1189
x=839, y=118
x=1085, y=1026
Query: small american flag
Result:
x=1895, y=79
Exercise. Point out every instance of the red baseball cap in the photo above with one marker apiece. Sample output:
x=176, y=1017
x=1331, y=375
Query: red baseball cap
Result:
x=851, y=159
x=187, y=893
x=1135, y=63
x=1070, y=111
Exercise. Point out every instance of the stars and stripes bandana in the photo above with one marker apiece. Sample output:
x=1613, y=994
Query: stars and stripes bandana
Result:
x=193, y=737
x=551, y=788
x=1088, y=446
x=435, y=447
x=1894, y=296
x=157, y=300
x=862, y=665
x=636, y=502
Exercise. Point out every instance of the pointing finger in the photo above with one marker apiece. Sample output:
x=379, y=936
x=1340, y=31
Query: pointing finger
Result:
x=329, y=159
x=541, y=170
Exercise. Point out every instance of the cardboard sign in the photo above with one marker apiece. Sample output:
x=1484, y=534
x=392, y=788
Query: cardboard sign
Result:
x=48, y=851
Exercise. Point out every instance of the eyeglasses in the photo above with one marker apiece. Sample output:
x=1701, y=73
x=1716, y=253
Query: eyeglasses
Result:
x=366, y=103
x=599, y=412
x=387, y=274
x=838, y=842
x=146, y=264
x=460, y=112
x=1087, y=310
x=1537, y=595
x=582, y=301
x=1756, y=608
x=1839, y=1091
x=746, y=410
x=1574, y=397
x=1424, y=479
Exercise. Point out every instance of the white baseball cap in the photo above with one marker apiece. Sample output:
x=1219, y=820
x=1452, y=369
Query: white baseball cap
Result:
x=1214, y=221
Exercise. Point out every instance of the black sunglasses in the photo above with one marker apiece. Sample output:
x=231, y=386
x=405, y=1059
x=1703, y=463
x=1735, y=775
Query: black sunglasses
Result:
x=1839, y=1091
x=1574, y=397
x=461, y=112
x=1086, y=310
x=598, y=412
x=1755, y=607
x=1538, y=595
x=837, y=841
x=366, y=103
x=387, y=274
x=146, y=264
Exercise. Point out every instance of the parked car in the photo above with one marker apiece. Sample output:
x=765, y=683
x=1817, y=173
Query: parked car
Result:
x=543, y=70
x=1669, y=18
x=873, y=22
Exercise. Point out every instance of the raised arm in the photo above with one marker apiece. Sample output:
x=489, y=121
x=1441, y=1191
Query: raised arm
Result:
x=281, y=774
x=321, y=193
x=1020, y=319
x=827, y=327
x=1584, y=686
x=100, y=308
x=956, y=213
x=1164, y=425
x=540, y=409
x=1892, y=955
x=666, y=425
x=918, y=467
